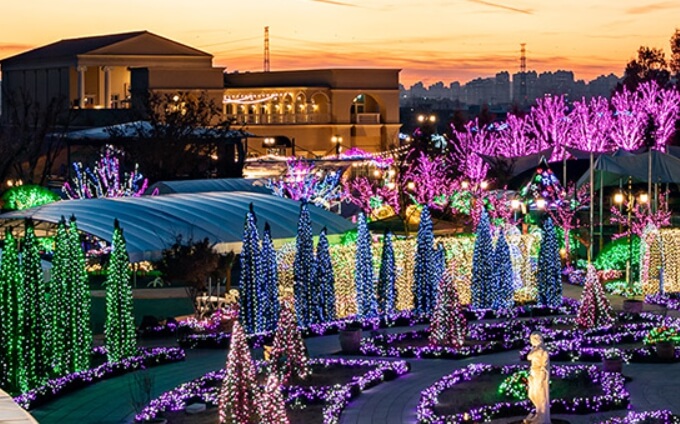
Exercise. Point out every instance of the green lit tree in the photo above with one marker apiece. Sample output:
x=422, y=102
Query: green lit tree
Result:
x=482, y=265
x=325, y=279
x=35, y=318
x=119, y=328
x=387, y=277
x=59, y=302
x=367, y=306
x=548, y=277
x=80, y=304
x=237, y=400
x=11, y=323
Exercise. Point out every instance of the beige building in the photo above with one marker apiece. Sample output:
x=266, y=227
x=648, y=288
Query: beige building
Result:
x=101, y=76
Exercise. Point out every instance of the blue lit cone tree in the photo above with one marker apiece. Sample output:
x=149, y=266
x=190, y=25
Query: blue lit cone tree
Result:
x=35, y=349
x=387, y=277
x=59, y=299
x=367, y=305
x=270, y=281
x=289, y=354
x=504, y=293
x=11, y=323
x=482, y=265
x=425, y=268
x=239, y=389
x=304, y=269
x=595, y=309
x=548, y=277
x=81, y=330
x=251, y=296
x=448, y=328
x=325, y=279
x=119, y=328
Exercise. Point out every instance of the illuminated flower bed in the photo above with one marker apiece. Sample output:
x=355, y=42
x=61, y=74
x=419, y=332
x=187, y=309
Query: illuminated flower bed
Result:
x=333, y=398
x=663, y=416
x=613, y=394
x=147, y=358
x=670, y=301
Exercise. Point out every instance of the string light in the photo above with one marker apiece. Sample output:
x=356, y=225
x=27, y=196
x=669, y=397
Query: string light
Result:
x=363, y=275
x=549, y=278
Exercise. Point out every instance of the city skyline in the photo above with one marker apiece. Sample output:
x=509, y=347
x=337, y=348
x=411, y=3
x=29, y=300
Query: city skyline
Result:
x=446, y=41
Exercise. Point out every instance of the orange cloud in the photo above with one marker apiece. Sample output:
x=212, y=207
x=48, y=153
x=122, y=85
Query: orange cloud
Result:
x=503, y=7
x=650, y=8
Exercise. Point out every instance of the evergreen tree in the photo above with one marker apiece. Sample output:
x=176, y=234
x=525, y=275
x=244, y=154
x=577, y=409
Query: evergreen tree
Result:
x=289, y=354
x=595, y=310
x=425, y=268
x=325, y=279
x=271, y=405
x=548, y=277
x=80, y=304
x=36, y=350
x=304, y=269
x=482, y=265
x=60, y=311
x=239, y=388
x=367, y=305
x=387, y=277
x=270, y=279
x=251, y=296
x=439, y=255
x=448, y=326
x=503, y=276
x=11, y=318
x=119, y=328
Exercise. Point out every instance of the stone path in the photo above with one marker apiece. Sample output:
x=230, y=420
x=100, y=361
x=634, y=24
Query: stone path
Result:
x=109, y=402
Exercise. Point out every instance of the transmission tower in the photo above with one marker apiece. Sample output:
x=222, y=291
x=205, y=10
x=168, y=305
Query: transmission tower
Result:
x=523, y=73
x=266, y=49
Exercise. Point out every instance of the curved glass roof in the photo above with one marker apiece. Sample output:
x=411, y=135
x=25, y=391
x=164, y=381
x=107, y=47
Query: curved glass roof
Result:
x=215, y=184
x=152, y=223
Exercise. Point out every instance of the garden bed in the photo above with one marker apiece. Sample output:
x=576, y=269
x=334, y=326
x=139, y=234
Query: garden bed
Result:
x=470, y=394
x=319, y=399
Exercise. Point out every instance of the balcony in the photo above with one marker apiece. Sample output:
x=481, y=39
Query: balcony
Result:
x=366, y=118
x=282, y=119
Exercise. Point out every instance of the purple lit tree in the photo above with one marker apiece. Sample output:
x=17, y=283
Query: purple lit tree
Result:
x=630, y=120
x=550, y=124
x=565, y=212
x=641, y=216
x=591, y=125
x=512, y=138
x=663, y=105
x=472, y=140
x=432, y=185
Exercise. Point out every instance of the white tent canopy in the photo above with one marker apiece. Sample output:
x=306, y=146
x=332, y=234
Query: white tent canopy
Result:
x=151, y=224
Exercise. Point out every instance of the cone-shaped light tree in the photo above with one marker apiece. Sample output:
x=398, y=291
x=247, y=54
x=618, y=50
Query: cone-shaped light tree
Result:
x=80, y=303
x=60, y=311
x=270, y=280
x=387, y=277
x=289, y=354
x=325, y=280
x=239, y=389
x=482, y=265
x=448, y=326
x=548, y=277
x=425, y=268
x=271, y=405
x=36, y=350
x=595, y=309
x=304, y=269
x=119, y=328
x=11, y=324
x=251, y=297
x=503, y=276
x=367, y=305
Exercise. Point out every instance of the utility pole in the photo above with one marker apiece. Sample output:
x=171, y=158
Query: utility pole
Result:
x=266, y=49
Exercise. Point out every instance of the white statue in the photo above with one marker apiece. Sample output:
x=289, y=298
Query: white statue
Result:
x=539, y=381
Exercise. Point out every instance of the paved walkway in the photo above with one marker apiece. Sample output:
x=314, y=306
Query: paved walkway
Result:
x=11, y=413
x=109, y=402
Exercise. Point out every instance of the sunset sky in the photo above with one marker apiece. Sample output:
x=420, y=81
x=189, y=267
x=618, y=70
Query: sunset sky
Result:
x=430, y=41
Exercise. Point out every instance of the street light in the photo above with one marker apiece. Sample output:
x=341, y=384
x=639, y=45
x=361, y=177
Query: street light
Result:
x=337, y=140
x=427, y=118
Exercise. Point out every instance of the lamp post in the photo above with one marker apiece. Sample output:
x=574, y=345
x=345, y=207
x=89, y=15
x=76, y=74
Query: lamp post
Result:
x=337, y=140
x=628, y=200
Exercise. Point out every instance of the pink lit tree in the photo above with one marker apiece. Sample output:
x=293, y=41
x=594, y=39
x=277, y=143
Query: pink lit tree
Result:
x=663, y=105
x=591, y=125
x=271, y=404
x=432, y=184
x=237, y=400
x=595, y=310
x=550, y=124
x=565, y=211
x=472, y=140
x=630, y=120
x=641, y=215
x=289, y=354
x=512, y=138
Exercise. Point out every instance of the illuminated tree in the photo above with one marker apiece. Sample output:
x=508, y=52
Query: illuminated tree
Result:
x=80, y=303
x=482, y=266
x=35, y=327
x=432, y=184
x=425, y=268
x=591, y=125
x=60, y=311
x=565, y=211
x=119, y=328
x=289, y=354
x=270, y=278
x=630, y=119
x=367, y=305
x=467, y=144
x=448, y=326
x=549, y=277
x=550, y=124
x=503, y=276
x=303, y=182
x=13, y=373
x=595, y=310
x=387, y=277
x=271, y=404
x=251, y=296
x=27, y=196
x=325, y=280
x=305, y=269
x=237, y=400
x=662, y=106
